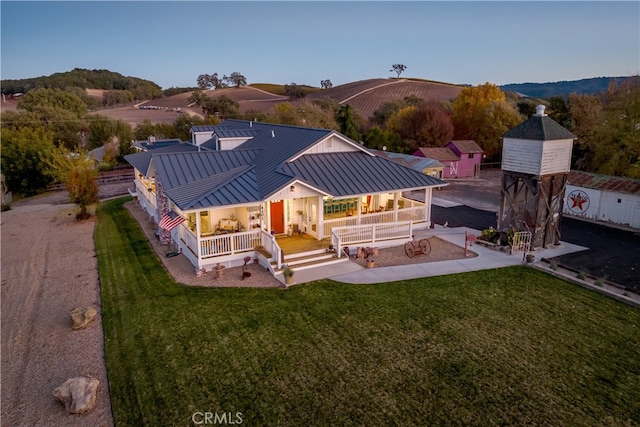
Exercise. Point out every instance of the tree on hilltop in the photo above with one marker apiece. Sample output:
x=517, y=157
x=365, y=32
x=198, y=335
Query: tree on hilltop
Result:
x=398, y=68
x=294, y=91
x=236, y=79
x=208, y=81
x=326, y=84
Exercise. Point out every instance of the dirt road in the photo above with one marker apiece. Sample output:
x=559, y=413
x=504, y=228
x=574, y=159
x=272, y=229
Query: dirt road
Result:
x=48, y=269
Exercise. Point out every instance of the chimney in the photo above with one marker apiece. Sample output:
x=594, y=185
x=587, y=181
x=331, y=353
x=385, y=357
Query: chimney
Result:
x=540, y=111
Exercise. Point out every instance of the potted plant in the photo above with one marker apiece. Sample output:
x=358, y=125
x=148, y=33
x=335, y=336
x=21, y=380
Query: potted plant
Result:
x=530, y=257
x=370, y=263
x=288, y=275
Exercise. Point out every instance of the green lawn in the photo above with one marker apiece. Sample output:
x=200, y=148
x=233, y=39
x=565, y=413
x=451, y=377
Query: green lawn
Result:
x=511, y=346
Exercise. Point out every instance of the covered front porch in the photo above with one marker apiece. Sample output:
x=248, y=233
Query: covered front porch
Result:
x=268, y=230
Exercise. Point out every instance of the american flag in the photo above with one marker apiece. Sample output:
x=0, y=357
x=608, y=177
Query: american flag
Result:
x=171, y=220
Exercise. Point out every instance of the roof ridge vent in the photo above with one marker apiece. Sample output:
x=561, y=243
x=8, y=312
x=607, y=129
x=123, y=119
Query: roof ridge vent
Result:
x=540, y=110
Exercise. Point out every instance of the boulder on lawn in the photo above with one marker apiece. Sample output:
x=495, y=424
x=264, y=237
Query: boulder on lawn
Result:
x=82, y=317
x=78, y=395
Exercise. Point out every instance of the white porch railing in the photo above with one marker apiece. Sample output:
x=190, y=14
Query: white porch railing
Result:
x=146, y=198
x=229, y=244
x=371, y=233
x=271, y=245
x=415, y=214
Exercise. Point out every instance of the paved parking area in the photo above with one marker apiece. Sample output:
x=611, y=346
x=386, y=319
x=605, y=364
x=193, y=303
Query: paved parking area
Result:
x=613, y=253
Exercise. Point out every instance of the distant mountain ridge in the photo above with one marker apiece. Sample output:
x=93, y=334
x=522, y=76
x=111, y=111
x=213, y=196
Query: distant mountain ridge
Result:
x=562, y=88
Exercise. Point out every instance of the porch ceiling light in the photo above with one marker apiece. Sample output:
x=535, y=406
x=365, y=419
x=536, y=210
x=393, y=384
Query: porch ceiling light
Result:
x=292, y=188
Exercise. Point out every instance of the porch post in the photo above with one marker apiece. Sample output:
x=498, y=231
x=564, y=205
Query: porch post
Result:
x=428, y=192
x=395, y=206
x=320, y=213
x=198, y=236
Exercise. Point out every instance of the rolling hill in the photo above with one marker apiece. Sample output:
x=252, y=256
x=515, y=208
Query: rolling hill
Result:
x=562, y=88
x=365, y=96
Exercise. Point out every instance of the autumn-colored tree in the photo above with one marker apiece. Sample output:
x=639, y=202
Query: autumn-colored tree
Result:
x=482, y=114
x=79, y=174
x=427, y=124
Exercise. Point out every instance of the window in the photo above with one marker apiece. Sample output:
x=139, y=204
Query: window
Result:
x=471, y=155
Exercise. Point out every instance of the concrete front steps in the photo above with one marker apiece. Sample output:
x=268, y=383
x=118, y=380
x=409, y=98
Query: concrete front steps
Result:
x=309, y=259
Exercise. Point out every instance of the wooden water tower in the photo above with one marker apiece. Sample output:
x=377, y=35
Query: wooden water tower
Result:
x=536, y=159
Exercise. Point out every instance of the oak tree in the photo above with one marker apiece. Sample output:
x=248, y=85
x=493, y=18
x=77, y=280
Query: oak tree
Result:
x=398, y=68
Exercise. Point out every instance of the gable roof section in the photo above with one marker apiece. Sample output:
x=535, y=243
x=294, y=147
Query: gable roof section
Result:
x=352, y=173
x=466, y=146
x=276, y=148
x=208, y=178
x=141, y=160
x=442, y=154
x=179, y=169
x=235, y=186
x=539, y=128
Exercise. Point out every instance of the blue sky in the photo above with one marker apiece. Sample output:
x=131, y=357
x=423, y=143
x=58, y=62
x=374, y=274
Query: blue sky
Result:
x=171, y=43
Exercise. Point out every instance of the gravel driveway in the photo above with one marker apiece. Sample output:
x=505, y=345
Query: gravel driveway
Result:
x=48, y=269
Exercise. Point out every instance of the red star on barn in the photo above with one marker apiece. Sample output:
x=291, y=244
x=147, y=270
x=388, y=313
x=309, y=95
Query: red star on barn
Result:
x=578, y=199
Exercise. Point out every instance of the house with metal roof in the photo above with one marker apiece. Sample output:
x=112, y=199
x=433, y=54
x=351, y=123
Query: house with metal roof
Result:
x=220, y=201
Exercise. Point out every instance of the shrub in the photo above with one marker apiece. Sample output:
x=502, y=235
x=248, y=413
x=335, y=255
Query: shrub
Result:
x=490, y=235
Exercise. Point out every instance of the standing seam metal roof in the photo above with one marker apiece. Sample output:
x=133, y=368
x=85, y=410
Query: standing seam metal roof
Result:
x=260, y=167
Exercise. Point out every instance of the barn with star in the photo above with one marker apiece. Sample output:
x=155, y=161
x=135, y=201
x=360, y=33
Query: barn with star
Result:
x=603, y=198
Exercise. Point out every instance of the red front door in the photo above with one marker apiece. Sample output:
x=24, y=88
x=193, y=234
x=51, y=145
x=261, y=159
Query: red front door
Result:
x=277, y=217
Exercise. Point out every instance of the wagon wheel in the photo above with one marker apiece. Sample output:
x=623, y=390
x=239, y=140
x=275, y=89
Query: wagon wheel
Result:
x=409, y=249
x=425, y=246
